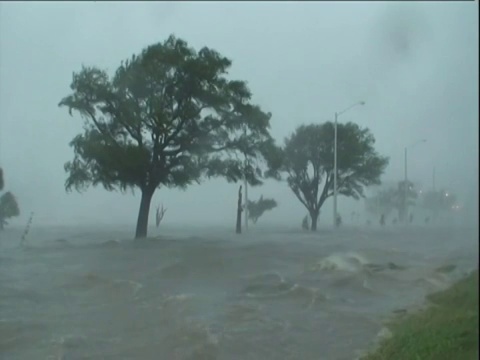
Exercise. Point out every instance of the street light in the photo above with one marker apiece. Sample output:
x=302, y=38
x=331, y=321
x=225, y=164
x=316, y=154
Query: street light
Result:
x=245, y=163
x=337, y=114
x=406, y=177
x=433, y=178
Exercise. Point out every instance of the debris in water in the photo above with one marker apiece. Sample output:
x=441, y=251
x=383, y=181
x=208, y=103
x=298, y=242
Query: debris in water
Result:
x=27, y=229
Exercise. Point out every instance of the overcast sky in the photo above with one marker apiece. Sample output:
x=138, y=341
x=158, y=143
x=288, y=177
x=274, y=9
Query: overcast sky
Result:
x=415, y=64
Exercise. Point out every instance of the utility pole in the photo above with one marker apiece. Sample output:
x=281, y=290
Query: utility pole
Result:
x=405, y=195
x=406, y=179
x=335, y=173
x=335, y=190
x=245, y=212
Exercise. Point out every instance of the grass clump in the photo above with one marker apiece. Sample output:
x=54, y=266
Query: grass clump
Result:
x=446, y=330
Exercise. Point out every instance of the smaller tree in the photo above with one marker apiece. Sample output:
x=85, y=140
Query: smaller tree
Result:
x=404, y=196
x=159, y=215
x=8, y=208
x=392, y=198
x=307, y=159
x=438, y=201
x=305, y=224
x=381, y=203
x=257, y=208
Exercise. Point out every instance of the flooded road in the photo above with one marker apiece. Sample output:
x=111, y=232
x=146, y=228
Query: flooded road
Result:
x=88, y=294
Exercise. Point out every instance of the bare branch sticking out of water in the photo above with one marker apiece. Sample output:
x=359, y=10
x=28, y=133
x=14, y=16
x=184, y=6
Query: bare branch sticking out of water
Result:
x=160, y=214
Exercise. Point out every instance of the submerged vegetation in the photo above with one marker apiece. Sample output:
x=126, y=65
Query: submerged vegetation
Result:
x=8, y=208
x=8, y=205
x=388, y=199
x=447, y=330
x=257, y=208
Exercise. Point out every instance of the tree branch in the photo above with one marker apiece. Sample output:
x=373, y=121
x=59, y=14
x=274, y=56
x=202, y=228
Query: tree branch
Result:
x=297, y=194
x=99, y=127
x=324, y=196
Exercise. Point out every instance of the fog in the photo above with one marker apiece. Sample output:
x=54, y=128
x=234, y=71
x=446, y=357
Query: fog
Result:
x=415, y=65
x=77, y=286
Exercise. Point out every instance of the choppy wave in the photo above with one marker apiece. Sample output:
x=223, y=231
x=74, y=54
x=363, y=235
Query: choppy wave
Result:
x=93, y=281
x=434, y=281
x=255, y=297
x=352, y=262
x=111, y=243
x=243, y=312
x=347, y=262
x=275, y=286
x=14, y=333
x=22, y=295
x=178, y=269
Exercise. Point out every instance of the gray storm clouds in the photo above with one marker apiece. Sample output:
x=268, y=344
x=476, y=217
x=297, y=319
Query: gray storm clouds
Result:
x=415, y=64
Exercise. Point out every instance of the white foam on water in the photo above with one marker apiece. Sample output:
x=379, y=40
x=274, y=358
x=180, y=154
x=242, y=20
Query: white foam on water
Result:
x=346, y=262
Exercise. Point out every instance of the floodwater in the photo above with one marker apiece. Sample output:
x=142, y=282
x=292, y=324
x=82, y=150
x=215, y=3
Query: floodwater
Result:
x=210, y=294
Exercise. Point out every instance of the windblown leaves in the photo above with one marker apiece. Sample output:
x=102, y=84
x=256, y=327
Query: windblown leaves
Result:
x=167, y=117
x=8, y=208
x=257, y=208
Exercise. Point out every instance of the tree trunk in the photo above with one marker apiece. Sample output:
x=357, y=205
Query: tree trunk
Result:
x=238, y=230
x=314, y=218
x=142, y=221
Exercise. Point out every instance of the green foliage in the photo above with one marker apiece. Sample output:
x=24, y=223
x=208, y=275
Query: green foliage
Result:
x=167, y=116
x=257, y=208
x=308, y=162
x=8, y=208
x=2, y=184
x=446, y=331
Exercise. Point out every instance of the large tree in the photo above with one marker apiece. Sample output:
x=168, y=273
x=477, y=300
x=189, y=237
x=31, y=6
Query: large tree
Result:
x=307, y=159
x=166, y=117
x=8, y=208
